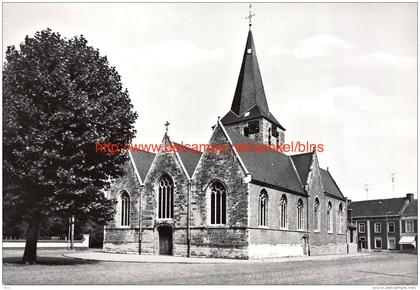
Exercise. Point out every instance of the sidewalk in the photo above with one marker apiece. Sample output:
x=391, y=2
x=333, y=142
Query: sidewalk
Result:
x=112, y=257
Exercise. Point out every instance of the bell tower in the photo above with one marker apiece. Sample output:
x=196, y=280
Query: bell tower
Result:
x=249, y=114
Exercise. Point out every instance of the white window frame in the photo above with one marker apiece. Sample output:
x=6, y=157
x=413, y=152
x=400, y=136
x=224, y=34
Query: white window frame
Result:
x=376, y=230
x=411, y=228
x=360, y=228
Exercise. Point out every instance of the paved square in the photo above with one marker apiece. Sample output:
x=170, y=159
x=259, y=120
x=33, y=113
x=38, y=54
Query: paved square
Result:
x=371, y=269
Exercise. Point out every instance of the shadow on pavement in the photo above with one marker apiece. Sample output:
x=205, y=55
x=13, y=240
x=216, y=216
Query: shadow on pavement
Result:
x=49, y=261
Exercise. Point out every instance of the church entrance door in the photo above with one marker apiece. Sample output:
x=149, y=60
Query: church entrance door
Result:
x=165, y=240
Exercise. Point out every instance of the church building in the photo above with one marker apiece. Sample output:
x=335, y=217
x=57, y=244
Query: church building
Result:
x=231, y=203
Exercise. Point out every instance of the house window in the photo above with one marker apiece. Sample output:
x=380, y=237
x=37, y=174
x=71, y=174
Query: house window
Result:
x=283, y=212
x=392, y=245
x=166, y=197
x=316, y=214
x=125, y=208
x=300, y=214
x=391, y=227
x=329, y=217
x=218, y=203
x=361, y=228
x=263, y=208
x=377, y=228
x=378, y=243
x=409, y=226
x=340, y=217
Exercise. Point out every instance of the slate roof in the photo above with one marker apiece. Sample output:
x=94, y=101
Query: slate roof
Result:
x=411, y=209
x=270, y=167
x=189, y=157
x=143, y=160
x=302, y=163
x=392, y=206
x=254, y=113
x=329, y=184
x=249, y=92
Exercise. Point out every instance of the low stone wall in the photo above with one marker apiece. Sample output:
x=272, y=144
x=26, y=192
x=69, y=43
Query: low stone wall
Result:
x=48, y=244
x=329, y=249
x=274, y=250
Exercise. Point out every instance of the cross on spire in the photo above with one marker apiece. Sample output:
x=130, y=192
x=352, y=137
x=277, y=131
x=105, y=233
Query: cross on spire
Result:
x=167, y=125
x=250, y=16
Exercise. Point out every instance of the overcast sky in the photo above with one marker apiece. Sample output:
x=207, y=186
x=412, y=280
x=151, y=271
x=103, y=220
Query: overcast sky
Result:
x=343, y=75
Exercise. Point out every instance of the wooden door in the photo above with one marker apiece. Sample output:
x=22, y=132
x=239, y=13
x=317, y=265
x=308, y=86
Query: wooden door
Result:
x=165, y=240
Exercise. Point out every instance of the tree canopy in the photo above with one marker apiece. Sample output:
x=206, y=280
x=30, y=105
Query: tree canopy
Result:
x=60, y=97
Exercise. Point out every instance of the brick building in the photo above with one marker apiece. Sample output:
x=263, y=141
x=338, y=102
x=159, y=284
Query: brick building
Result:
x=386, y=224
x=229, y=203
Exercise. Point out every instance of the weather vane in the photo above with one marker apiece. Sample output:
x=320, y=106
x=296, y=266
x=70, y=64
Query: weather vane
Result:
x=167, y=125
x=250, y=16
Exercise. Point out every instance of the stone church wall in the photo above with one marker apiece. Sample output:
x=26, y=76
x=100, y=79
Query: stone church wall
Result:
x=273, y=241
x=117, y=238
x=322, y=242
x=169, y=164
x=263, y=135
x=230, y=240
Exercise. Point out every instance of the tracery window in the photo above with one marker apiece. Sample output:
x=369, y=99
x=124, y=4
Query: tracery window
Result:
x=125, y=208
x=283, y=212
x=218, y=203
x=263, y=208
x=166, y=197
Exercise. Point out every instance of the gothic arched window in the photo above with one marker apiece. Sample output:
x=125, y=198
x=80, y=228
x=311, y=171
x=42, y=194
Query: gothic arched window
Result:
x=166, y=197
x=329, y=217
x=300, y=214
x=340, y=218
x=263, y=208
x=283, y=212
x=316, y=214
x=218, y=203
x=125, y=208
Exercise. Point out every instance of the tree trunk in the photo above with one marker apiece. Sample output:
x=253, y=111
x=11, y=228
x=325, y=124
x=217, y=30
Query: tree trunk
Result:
x=29, y=256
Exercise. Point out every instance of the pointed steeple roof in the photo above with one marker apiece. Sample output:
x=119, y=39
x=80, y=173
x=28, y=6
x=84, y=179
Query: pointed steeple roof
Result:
x=249, y=89
x=249, y=93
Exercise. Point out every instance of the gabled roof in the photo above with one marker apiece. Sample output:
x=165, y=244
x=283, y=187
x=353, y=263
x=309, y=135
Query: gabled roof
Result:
x=377, y=207
x=329, y=184
x=303, y=164
x=189, y=157
x=411, y=209
x=249, y=92
x=142, y=160
x=269, y=167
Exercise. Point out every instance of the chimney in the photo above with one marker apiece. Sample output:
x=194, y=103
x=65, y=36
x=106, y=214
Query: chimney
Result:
x=410, y=196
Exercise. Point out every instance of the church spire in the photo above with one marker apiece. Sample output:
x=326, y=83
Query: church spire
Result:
x=249, y=113
x=249, y=89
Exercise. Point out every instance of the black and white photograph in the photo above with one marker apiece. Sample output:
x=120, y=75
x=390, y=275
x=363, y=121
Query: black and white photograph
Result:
x=210, y=143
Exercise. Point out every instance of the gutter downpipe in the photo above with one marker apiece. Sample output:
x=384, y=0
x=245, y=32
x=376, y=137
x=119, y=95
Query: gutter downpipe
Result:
x=140, y=218
x=307, y=219
x=188, y=218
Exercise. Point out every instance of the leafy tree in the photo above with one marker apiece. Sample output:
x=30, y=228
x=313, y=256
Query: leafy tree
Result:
x=60, y=97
